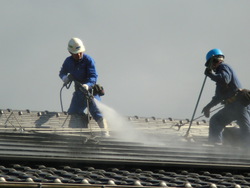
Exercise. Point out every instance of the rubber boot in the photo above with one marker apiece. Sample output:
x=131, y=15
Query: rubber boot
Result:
x=104, y=126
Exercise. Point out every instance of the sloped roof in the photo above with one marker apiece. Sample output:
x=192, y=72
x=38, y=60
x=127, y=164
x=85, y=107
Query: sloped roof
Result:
x=150, y=143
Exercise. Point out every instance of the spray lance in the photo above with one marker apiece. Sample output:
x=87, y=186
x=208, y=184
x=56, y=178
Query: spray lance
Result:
x=192, y=119
x=86, y=93
x=209, y=65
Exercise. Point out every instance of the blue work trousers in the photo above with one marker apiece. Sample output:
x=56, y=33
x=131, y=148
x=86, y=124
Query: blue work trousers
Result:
x=231, y=112
x=79, y=104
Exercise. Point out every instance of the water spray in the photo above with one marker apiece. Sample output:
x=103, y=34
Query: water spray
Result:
x=122, y=127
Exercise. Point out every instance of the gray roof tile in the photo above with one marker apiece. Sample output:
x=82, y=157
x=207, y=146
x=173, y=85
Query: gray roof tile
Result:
x=45, y=137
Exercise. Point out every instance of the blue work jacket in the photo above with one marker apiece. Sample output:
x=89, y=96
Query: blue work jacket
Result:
x=83, y=71
x=227, y=83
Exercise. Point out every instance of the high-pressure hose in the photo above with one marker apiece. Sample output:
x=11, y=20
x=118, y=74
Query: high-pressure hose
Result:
x=67, y=85
x=61, y=97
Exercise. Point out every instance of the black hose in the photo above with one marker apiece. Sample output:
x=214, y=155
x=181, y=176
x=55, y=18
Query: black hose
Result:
x=210, y=112
x=67, y=85
x=61, y=98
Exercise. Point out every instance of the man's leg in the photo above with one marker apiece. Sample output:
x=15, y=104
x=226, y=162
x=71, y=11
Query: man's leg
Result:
x=98, y=117
x=78, y=103
x=217, y=123
x=94, y=111
x=243, y=120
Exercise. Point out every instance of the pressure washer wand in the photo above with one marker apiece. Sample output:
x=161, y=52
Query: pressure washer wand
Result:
x=88, y=95
x=192, y=119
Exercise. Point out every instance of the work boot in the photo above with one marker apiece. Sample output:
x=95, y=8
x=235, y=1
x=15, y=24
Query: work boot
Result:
x=104, y=127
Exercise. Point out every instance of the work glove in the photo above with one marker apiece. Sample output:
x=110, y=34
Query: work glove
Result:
x=206, y=111
x=85, y=86
x=208, y=72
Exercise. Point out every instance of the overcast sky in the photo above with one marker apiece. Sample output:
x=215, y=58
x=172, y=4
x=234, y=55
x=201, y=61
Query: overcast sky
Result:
x=149, y=54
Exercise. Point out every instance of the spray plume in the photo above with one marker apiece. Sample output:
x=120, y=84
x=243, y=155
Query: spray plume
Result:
x=119, y=124
x=127, y=131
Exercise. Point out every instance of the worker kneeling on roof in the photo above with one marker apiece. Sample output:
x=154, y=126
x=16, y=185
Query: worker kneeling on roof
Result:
x=82, y=68
x=227, y=87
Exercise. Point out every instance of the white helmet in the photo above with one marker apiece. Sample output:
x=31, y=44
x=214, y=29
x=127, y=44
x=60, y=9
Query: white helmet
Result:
x=75, y=46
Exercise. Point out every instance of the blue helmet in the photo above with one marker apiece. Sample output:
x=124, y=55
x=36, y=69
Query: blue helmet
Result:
x=211, y=53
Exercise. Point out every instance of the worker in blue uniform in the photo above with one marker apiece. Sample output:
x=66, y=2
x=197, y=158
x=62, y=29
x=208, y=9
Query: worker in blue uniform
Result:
x=227, y=84
x=82, y=67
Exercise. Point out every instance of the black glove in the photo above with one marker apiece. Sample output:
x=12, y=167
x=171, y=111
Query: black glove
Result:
x=208, y=72
x=206, y=110
x=70, y=77
x=98, y=89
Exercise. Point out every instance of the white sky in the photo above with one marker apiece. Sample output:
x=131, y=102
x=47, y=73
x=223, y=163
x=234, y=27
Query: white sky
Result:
x=149, y=54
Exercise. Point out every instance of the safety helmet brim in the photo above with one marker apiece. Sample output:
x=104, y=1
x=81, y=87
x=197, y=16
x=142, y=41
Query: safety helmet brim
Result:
x=76, y=51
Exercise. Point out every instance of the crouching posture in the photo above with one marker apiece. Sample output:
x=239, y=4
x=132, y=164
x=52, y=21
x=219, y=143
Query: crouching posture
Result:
x=227, y=86
x=82, y=67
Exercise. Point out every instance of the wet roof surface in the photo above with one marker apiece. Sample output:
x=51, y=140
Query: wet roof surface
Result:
x=150, y=151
